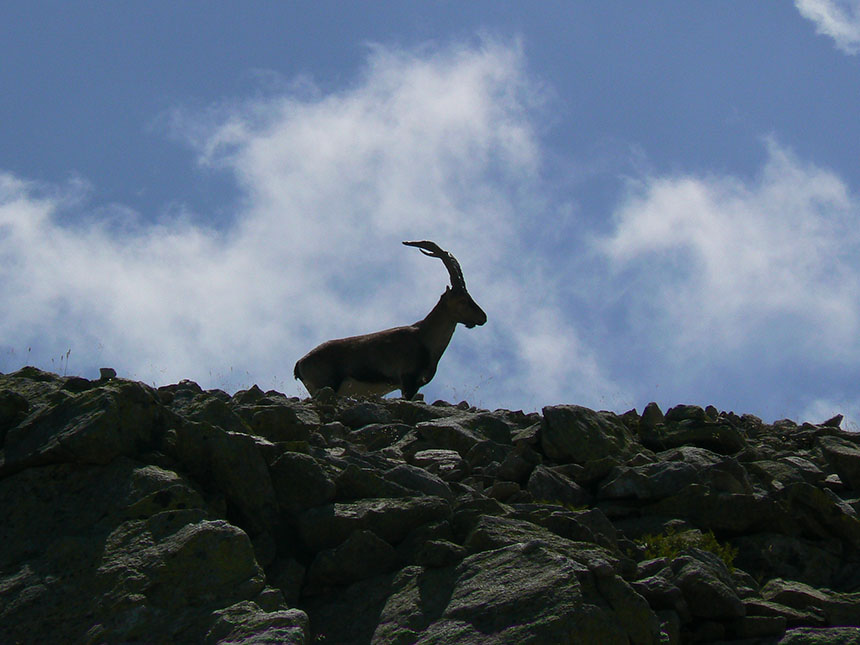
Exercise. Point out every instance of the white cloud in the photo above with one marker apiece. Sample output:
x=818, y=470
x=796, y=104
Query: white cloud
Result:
x=432, y=143
x=740, y=285
x=839, y=19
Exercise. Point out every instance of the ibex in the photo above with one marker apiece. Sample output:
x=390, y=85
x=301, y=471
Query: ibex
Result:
x=402, y=358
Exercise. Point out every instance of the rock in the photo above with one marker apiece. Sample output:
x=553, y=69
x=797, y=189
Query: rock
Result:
x=707, y=586
x=354, y=482
x=681, y=413
x=418, y=480
x=838, y=609
x=361, y=555
x=94, y=427
x=692, y=430
x=364, y=413
x=300, y=482
x=844, y=457
x=447, y=464
x=115, y=553
x=183, y=515
x=245, y=622
x=792, y=557
x=813, y=636
x=233, y=463
x=577, y=434
x=13, y=406
x=107, y=373
x=376, y=436
x=552, y=487
x=449, y=435
x=280, y=422
x=651, y=417
x=523, y=593
x=325, y=527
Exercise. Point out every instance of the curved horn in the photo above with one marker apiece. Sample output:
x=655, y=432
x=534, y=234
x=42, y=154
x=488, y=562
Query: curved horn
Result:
x=433, y=250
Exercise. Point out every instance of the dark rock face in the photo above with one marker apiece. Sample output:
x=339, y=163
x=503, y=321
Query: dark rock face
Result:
x=189, y=516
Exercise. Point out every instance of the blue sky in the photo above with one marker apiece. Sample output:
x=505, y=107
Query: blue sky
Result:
x=651, y=200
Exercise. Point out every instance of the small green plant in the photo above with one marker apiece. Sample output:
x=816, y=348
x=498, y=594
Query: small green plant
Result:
x=671, y=543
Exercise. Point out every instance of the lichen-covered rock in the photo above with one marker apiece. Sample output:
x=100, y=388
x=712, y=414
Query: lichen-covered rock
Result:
x=362, y=555
x=522, y=593
x=830, y=636
x=246, y=622
x=94, y=427
x=672, y=471
x=183, y=515
x=300, y=482
x=231, y=462
x=844, y=456
x=707, y=586
x=325, y=527
x=547, y=485
x=574, y=433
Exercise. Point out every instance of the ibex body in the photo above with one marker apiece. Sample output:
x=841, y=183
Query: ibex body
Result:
x=403, y=358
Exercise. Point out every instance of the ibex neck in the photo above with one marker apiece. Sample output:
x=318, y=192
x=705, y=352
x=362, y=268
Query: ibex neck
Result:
x=437, y=329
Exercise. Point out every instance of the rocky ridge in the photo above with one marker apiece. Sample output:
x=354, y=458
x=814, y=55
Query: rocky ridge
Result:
x=135, y=514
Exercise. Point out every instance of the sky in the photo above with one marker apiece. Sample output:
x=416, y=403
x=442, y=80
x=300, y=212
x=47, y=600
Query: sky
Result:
x=652, y=201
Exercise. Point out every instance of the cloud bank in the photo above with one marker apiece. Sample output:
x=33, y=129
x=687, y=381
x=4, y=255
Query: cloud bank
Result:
x=743, y=285
x=433, y=143
x=839, y=19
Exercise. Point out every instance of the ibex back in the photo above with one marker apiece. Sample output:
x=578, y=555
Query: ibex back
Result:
x=403, y=358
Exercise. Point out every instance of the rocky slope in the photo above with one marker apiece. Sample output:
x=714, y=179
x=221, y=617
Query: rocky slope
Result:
x=133, y=514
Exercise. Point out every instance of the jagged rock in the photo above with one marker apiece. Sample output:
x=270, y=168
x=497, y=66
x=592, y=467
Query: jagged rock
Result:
x=574, y=433
x=518, y=464
x=838, y=609
x=707, y=585
x=419, y=480
x=448, y=434
x=547, y=485
x=94, y=427
x=485, y=452
x=522, y=593
x=364, y=413
x=233, y=463
x=447, y=464
x=183, y=515
x=734, y=513
x=114, y=553
x=814, y=562
x=831, y=636
x=280, y=422
x=361, y=555
x=693, y=429
x=792, y=617
x=300, y=482
x=672, y=471
x=354, y=482
x=375, y=436
x=325, y=527
x=651, y=417
x=246, y=622
x=13, y=406
x=844, y=458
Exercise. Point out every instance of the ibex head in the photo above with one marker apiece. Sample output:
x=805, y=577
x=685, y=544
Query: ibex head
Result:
x=456, y=297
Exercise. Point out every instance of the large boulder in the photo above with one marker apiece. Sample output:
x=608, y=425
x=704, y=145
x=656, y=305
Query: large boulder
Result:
x=571, y=433
x=522, y=593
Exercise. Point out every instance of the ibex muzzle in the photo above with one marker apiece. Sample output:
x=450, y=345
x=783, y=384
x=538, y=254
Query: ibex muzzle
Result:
x=403, y=358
